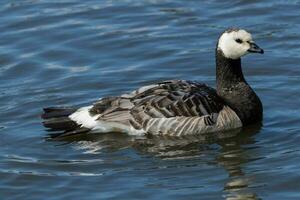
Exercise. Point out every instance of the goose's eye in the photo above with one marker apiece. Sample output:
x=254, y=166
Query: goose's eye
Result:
x=239, y=40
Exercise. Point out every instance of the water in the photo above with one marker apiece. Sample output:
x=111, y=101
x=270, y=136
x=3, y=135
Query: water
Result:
x=72, y=52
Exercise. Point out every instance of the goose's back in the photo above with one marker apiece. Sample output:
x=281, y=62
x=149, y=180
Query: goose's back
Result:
x=173, y=107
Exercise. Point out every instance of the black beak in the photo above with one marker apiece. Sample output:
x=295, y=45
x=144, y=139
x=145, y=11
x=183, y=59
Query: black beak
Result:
x=254, y=48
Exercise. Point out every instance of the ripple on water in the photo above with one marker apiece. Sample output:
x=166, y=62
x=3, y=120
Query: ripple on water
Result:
x=72, y=52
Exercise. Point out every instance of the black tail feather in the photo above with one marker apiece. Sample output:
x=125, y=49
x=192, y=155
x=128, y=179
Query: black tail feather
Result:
x=52, y=112
x=57, y=121
x=60, y=124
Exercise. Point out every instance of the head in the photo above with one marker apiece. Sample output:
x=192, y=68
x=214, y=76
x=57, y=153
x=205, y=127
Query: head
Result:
x=235, y=43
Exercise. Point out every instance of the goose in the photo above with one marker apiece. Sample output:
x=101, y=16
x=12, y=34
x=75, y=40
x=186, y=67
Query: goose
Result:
x=173, y=107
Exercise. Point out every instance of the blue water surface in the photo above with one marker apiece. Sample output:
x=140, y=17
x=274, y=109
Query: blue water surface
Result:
x=71, y=52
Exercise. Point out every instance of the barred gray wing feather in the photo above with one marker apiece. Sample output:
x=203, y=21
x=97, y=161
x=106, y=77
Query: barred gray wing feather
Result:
x=172, y=107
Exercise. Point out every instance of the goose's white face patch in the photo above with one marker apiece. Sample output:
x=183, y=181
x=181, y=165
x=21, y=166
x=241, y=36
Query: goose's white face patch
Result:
x=235, y=44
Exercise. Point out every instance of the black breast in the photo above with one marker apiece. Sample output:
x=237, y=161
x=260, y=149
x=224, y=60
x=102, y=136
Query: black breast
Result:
x=243, y=100
x=236, y=92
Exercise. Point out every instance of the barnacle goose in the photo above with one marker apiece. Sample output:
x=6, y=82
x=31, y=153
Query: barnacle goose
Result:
x=175, y=107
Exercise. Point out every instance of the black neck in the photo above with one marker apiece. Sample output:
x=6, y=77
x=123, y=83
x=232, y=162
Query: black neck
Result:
x=229, y=71
x=235, y=91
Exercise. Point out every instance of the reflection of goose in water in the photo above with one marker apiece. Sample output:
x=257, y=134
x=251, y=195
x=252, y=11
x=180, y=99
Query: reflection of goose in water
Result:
x=175, y=107
x=198, y=156
x=233, y=156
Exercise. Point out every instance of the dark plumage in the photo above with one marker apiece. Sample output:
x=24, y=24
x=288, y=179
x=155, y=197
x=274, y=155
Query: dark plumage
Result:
x=235, y=91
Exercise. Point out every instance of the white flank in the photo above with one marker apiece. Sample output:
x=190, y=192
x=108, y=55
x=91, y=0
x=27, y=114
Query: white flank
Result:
x=82, y=116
